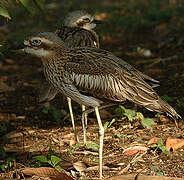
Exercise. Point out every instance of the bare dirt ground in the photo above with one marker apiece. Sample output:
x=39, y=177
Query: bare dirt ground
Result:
x=30, y=132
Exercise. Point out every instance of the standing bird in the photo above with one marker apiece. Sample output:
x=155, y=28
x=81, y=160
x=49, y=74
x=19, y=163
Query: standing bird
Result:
x=91, y=76
x=76, y=32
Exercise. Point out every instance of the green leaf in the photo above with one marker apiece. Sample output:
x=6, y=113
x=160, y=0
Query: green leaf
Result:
x=58, y=167
x=41, y=158
x=92, y=145
x=27, y=6
x=162, y=147
x=130, y=114
x=93, y=160
x=45, y=110
x=72, y=148
x=3, y=167
x=160, y=173
x=4, y=12
x=37, y=165
x=39, y=4
x=119, y=135
x=10, y=159
x=120, y=111
x=3, y=128
x=112, y=121
x=108, y=124
x=2, y=151
x=147, y=122
x=51, y=152
x=55, y=159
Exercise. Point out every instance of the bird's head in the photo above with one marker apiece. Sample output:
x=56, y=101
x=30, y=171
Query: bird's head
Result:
x=43, y=44
x=81, y=19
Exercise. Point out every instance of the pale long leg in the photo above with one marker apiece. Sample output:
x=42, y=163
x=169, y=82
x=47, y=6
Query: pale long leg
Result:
x=72, y=118
x=101, y=136
x=85, y=113
x=84, y=123
x=86, y=118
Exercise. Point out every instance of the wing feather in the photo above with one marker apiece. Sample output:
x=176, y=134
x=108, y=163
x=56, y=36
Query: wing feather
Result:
x=99, y=73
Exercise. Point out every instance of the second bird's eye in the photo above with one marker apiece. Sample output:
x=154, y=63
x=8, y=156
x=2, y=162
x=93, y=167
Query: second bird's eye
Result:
x=36, y=42
x=86, y=19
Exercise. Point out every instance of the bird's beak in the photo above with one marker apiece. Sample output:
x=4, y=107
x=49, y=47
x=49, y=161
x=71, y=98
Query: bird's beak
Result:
x=97, y=21
x=19, y=47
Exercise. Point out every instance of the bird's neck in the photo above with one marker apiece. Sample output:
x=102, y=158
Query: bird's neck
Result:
x=57, y=54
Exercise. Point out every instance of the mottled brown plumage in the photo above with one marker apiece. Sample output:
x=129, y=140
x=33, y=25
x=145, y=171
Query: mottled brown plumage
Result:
x=74, y=36
x=90, y=76
x=77, y=31
x=97, y=72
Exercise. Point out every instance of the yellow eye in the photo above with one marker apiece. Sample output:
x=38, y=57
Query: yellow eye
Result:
x=36, y=42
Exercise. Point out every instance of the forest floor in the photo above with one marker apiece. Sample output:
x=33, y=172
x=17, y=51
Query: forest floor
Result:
x=27, y=130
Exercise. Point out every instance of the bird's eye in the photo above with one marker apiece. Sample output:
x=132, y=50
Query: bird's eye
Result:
x=36, y=42
x=86, y=19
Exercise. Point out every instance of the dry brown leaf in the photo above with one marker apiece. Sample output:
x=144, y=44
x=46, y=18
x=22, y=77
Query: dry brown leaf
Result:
x=134, y=149
x=9, y=61
x=101, y=16
x=161, y=27
x=7, y=117
x=48, y=172
x=174, y=144
x=66, y=160
x=89, y=163
x=96, y=168
x=79, y=166
x=142, y=177
x=164, y=119
x=153, y=141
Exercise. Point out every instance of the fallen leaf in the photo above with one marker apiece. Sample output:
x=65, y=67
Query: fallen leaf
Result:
x=141, y=177
x=101, y=16
x=96, y=168
x=153, y=141
x=134, y=149
x=174, y=144
x=90, y=162
x=164, y=119
x=79, y=166
x=48, y=172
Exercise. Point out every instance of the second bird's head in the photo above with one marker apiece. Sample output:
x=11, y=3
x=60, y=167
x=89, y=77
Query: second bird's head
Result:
x=43, y=45
x=81, y=19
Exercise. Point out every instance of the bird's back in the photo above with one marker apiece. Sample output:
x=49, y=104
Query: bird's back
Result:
x=78, y=37
x=97, y=72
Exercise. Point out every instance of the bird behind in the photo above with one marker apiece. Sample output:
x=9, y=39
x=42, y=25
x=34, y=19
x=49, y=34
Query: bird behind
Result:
x=77, y=31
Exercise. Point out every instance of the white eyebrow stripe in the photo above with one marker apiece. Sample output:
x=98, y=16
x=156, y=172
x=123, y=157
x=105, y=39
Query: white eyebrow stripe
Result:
x=26, y=43
x=42, y=40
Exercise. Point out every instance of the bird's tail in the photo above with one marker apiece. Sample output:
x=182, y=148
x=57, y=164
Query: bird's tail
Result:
x=162, y=106
x=168, y=109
